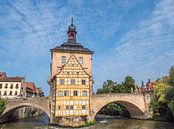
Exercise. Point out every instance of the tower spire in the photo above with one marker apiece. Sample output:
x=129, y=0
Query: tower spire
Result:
x=72, y=21
x=72, y=33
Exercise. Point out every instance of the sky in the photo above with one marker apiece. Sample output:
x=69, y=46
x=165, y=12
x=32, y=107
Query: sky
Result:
x=128, y=37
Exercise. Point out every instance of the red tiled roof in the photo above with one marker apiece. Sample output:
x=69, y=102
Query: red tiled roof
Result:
x=3, y=74
x=12, y=79
x=31, y=86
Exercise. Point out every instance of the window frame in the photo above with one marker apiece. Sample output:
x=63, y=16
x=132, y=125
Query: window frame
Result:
x=84, y=93
x=75, y=93
x=67, y=107
x=66, y=93
x=11, y=86
x=81, y=60
x=60, y=93
x=5, y=93
x=17, y=86
x=62, y=82
x=72, y=81
x=6, y=86
x=63, y=59
x=71, y=107
x=83, y=107
x=11, y=93
x=83, y=82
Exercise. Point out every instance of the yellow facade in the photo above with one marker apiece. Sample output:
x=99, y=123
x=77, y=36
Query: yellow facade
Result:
x=71, y=78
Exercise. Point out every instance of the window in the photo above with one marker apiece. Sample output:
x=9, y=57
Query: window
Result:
x=83, y=82
x=84, y=93
x=75, y=93
x=10, y=93
x=72, y=81
x=67, y=107
x=58, y=107
x=0, y=86
x=66, y=93
x=16, y=92
x=60, y=93
x=62, y=81
x=63, y=60
x=71, y=107
x=81, y=60
x=17, y=86
x=83, y=107
x=11, y=87
x=5, y=93
x=6, y=85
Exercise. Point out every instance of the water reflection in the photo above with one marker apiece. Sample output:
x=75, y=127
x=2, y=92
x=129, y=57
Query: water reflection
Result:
x=102, y=123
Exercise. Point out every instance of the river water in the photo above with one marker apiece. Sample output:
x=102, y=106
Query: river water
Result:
x=104, y=123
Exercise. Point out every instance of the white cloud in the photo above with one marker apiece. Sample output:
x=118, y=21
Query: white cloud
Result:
x=146, y=51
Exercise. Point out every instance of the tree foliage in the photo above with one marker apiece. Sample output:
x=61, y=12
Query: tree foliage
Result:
x=114, y=109
x=170, y=98
x=160, y=90
x=163, y=101
x=112, y=87
x=2, y=105
x=171, y=75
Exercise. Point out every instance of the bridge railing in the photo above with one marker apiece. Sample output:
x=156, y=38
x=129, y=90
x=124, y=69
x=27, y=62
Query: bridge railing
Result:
x=120, y=94
x=29, y=98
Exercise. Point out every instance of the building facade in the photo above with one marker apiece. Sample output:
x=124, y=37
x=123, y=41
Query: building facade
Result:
x=12, y=87
x=71, y=78
x=39, y=92
x=30, y=89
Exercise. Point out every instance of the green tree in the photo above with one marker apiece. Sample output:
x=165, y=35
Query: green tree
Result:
x=171, y=75
x=2, y=105
x=160, y=90
x=170, y=99
x=107, y=87
x=129, y=83
x=171, y=107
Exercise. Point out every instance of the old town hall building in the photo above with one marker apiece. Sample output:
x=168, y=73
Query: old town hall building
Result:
x=71, y=78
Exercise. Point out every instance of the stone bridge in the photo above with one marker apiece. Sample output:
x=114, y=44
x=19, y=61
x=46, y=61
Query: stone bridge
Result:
x=136, y=103
x=38, y=102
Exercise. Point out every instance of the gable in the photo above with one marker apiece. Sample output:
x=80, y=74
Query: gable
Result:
x=73, y=68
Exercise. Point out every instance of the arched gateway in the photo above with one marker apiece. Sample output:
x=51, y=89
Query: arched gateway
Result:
x=137, y=104
x=40, y=103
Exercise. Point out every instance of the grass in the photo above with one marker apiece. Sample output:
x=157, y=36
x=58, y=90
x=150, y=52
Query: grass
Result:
x=88, y=123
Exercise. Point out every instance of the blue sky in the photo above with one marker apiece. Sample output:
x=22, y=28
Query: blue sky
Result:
x=129, y=37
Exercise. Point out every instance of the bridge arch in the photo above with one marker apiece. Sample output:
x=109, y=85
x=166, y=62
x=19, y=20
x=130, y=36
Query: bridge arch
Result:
x=40, y=103
x=134, y=103
x=25, y=105
x=134, y=111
